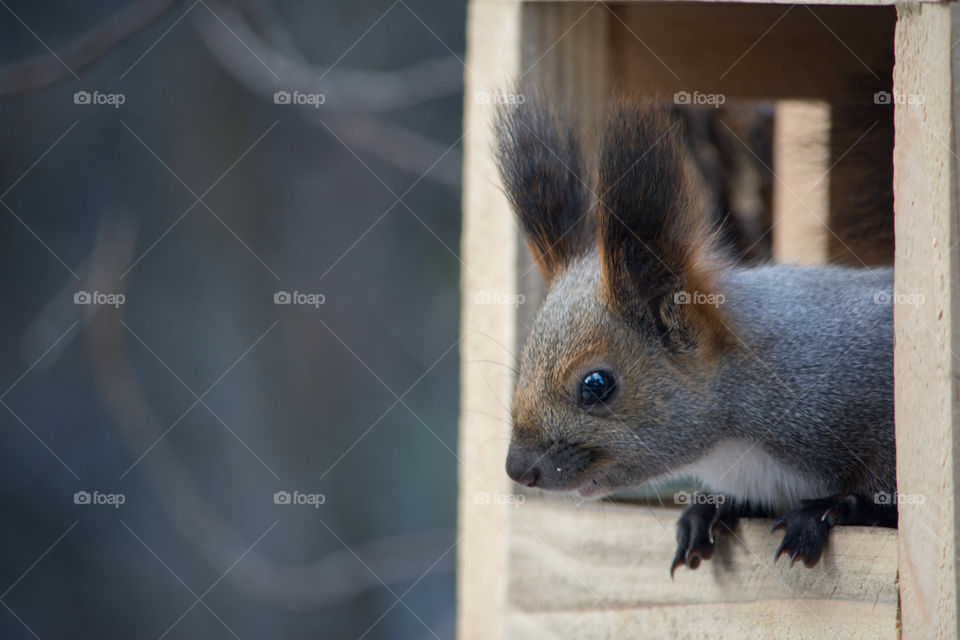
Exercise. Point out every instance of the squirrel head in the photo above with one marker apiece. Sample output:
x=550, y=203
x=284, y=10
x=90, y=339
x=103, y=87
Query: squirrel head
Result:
x=614, y=379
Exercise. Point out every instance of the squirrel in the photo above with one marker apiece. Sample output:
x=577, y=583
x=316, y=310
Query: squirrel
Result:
x=654, y=357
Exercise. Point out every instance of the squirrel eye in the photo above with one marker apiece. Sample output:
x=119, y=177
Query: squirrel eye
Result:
x=596, y=387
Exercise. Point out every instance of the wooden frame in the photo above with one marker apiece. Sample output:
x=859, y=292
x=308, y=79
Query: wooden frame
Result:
x=600, y=570
x=925, y=189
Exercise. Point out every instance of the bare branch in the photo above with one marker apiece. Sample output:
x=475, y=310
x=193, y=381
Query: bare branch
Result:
x=376, y=91
x=42, y=71
x=401, y=147
x=352, y=90
x=329, y=580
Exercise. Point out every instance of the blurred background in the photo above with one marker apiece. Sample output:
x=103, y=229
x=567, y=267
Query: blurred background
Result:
x=229, y=349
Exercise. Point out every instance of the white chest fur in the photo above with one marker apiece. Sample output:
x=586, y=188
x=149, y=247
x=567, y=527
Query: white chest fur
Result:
x=742, y=469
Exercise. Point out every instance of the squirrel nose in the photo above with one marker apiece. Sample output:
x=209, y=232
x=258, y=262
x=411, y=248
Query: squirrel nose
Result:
x=522, y=466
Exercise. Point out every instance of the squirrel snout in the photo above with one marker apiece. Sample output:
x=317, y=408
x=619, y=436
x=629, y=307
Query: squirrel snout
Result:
x=522, y=466
x=561, y=466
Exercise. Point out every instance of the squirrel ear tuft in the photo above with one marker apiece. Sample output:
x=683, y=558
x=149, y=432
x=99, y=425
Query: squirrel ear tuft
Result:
x=657, y=252
x=543, y=172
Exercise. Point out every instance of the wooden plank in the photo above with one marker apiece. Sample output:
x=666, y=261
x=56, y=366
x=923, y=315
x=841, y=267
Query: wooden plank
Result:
x=755, y=51
x=873, y=3
x=557, y=47
x=925, y=361
x=785, y=620
x=801, y=190
x=600, y=570
x=489, y=251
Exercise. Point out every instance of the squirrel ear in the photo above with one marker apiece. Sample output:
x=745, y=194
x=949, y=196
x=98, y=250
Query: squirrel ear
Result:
x=543, y=172
x=657, y=253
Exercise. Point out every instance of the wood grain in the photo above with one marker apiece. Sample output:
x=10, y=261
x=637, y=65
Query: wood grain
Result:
x=489, y=249
x=749, y=51
x=801, y=188
x=601, y=571
x=925, y=361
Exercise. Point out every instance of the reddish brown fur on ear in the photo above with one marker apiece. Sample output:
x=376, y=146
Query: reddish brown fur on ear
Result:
x=544, y=175
x=657, y=252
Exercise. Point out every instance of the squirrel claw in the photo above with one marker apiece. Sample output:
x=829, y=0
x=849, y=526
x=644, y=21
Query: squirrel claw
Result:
x=805, y=534
x=690, y=558
x=780, y=549
x=795, y=554
x=696, y=534
x=810, y=555
x=716, y=522
x=808, y=526
x=677, y=562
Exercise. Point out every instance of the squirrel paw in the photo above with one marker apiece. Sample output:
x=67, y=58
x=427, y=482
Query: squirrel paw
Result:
x=696, y=531
x=806, y=532
x=808, y=526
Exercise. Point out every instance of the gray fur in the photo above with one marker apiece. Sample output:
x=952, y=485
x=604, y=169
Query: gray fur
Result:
x=812, y=381
x=808, y=377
